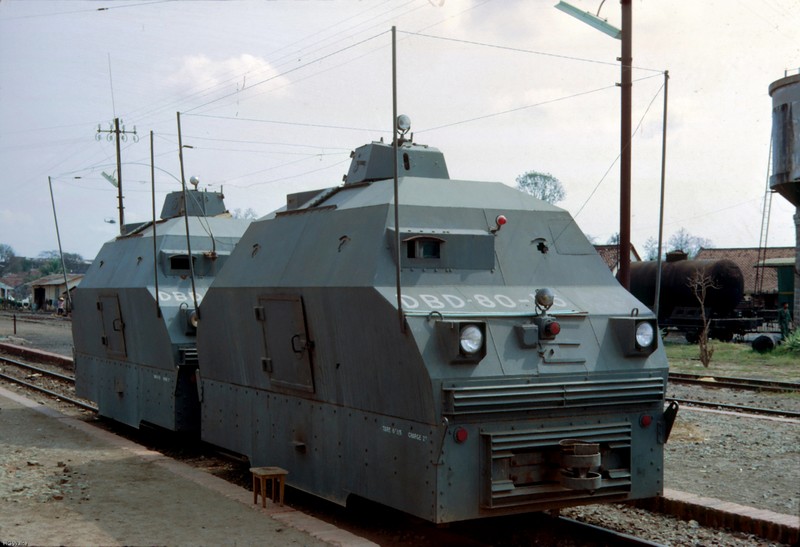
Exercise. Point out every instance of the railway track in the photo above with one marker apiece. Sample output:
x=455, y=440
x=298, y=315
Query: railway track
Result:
x=751, y=384
x=740, y=409
x=31, y=374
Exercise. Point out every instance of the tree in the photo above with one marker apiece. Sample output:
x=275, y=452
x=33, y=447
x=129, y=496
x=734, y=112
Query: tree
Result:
x=49, y=262
x=651, y=249
x=75, y=263
x=614, y=239
x=700, y=283
x=682, y=240
x=6, y=253
x=543, y=186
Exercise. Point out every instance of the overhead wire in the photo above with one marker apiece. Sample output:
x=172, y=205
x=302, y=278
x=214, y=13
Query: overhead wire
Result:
x=280, y=122
x=528, y=51
x=628, y=144
x=285, y=60
x=295, y=69
x=111, y=6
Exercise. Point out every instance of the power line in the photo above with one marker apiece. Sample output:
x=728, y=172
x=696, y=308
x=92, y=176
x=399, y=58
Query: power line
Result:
x=286, y=123
x=92, y=10
x=351, y=46
x=289, y=57
x=610, y=167
x=529, y=51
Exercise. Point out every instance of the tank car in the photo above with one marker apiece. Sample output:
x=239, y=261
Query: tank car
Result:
x=134, y=318
x=510, y=374
x=678, y=306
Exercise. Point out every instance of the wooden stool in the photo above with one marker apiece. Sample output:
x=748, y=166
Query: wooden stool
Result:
x=260, y=476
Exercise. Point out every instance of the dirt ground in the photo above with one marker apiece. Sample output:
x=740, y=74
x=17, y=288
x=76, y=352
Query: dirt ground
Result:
x=42, y=331
x=63, y=482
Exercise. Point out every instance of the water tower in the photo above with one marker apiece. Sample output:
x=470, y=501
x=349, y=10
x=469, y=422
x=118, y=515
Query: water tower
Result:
x=785, y=177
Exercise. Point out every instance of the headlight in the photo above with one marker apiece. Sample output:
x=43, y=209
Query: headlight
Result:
x=636, y=336
x=471, y=339
x=644, y=334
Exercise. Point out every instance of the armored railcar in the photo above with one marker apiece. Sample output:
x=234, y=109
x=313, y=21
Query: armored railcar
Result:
x=134, y=317
x=512, y=373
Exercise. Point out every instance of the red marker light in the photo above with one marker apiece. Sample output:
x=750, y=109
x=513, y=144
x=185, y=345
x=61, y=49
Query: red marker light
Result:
x=460, y=435
x=501, y=220
x=553, y=328
x=645, y=420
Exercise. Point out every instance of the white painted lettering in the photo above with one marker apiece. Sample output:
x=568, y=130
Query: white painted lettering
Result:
x=484, y=301
x=505, y=301
x=454, y=301
x=431, y=301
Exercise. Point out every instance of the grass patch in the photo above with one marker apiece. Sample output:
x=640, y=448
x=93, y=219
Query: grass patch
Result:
x=738, y=360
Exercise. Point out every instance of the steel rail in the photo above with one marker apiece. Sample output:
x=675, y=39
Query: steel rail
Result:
x=608, y=536
x=45, y=372
x=738, y=408
x=735, y=383
x=46, y=391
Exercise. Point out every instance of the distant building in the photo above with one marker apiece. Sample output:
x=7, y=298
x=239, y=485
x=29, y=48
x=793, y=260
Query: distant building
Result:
x=5, y=291
x=47, y=290
x=610, y=254
x=766, y=273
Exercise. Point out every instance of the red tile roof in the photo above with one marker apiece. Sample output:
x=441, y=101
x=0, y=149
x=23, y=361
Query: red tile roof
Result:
x=746, y=260
x=610, y=254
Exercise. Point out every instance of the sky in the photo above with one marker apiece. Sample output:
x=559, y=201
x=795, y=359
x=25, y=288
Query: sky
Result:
x=273, y=96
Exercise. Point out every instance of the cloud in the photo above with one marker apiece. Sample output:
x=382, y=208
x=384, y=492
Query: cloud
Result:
x=202, y=75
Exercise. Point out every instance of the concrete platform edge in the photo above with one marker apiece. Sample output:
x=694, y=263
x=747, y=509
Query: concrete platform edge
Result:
x=316, y=528
x=723, y=514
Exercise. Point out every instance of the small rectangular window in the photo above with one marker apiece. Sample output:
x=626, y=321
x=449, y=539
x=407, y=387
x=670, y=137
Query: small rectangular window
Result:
x=428, y=248
x=179, y=262
x=423, y=247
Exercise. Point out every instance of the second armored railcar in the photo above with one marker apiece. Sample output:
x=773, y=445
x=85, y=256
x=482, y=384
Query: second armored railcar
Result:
x=134, y=322
x=517, y=376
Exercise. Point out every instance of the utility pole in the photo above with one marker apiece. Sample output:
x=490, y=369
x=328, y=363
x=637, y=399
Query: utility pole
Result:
x=120, y=135
x=626, y=60
x=626, y=87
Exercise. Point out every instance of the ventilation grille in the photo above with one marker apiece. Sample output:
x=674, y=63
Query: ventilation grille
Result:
x=466, y=400
x=188, y=355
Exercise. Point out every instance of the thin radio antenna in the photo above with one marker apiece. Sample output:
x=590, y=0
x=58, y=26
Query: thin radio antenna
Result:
x=111, y=83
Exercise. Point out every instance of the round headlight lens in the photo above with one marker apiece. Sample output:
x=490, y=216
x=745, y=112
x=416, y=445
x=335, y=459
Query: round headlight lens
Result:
x=644, y=334
x=471, y=339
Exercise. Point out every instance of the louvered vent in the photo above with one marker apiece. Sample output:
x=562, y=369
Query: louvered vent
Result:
x=467, y=400
x=187, y=355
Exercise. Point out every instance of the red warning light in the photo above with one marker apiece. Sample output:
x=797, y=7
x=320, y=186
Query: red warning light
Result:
x=501, y=220
x=553, y=328
x=645, y=420
x=460, y=435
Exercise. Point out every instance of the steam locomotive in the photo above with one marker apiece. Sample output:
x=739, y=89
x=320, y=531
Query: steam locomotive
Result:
x=450, y=348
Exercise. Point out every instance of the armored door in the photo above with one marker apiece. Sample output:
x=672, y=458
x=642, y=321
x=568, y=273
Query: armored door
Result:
x=113, y=326
x=287, y=347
